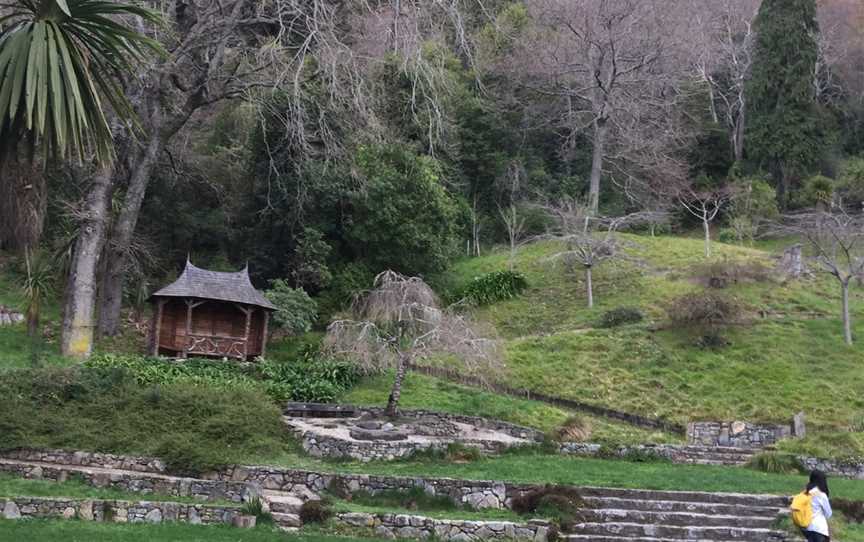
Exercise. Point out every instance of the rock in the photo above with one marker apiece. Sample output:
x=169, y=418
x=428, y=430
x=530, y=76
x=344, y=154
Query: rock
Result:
x=121, y=515
x=372, y=434
x=11, y=511
x=388, y=427
x=799, y=429
x=192, y=516
x=384, y=532
x=36, y=473
x=357, y=519
x=244, y=522
x=153, y=516
x=792, y=262
x=738, y=428
x=85, y=510
x=68, y=512
x=368, y=425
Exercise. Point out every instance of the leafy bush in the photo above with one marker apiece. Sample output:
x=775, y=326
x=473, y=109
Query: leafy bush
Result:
x=495, y=286
x=704, y=311
x=297, y=311
x=621, y=316
x=194, y=428
x=311, y=379
x=562, y=504
x=317, y=511
x=776, y=463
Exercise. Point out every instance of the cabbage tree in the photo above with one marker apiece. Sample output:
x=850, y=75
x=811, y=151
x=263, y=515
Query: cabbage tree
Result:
x=61, y=63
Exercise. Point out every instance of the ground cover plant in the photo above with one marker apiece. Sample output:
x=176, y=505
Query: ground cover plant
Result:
x=193, y=428
x=309, y=378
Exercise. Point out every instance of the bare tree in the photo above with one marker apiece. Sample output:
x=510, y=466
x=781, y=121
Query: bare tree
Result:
x=400, y=321
x=721, y=49
x=705, y=204
x=837, y=238
x=600, y=58
x=513, y=221
x=589, y=240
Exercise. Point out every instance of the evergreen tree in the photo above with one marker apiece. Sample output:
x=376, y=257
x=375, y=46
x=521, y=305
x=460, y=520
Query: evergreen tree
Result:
x=785, y=134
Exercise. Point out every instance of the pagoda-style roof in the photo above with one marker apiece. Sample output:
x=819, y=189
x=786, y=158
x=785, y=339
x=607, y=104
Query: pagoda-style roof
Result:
x=216, y=285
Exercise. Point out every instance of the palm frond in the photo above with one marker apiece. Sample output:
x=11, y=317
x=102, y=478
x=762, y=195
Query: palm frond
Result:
x=59, y=59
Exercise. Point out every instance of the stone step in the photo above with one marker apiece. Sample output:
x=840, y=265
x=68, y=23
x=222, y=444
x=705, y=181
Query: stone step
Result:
x=600, y=538
x=286, y=521
x=282, y=503
x=683, y=506
x=680, y=519
x=674, y=532
x=739, y=499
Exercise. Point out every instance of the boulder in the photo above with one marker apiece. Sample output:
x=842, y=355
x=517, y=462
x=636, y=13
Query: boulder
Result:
x=244, y=522
x=11, y=511
x=153, y=516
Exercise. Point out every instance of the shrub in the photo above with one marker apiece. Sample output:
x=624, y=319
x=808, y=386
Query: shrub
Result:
x=194, y=428
x=312, y=380
x=563, y=504
x=776, y=463
x=817, y=191
x=297, y=311
x=621, y=316
x=704, y=310
x=720, y=274
x=853, y=510
x=574, y=429
x=495, y=286
x=317, y=511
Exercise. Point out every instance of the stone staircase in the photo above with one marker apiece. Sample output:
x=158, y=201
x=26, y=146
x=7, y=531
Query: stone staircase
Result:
x=714, y=455
x=623, y=515
x=284, y=507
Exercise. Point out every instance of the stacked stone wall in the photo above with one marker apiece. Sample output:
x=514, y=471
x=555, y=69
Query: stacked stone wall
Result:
x=390, y=526
x=114, y=510
x=224, y=490
x=737, y=434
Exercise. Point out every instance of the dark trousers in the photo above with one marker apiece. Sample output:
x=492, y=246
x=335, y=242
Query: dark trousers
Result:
x=815, y=537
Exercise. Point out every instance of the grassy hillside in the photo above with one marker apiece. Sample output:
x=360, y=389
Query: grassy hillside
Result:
x=785, y=356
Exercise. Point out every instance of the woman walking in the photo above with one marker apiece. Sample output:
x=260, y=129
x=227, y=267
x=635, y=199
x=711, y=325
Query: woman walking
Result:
x=817, y=490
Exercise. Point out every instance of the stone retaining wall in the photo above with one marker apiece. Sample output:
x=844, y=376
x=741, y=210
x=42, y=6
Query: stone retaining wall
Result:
x=117, y=511
x=227, y=490
x=389, y=526
x=850, y=468
x=737, y=434
x=478, y=494
x=89, y=459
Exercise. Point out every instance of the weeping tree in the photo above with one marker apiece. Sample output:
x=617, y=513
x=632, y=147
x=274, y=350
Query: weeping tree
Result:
x=399, y=322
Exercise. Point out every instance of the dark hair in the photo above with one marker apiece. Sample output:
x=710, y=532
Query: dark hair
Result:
x=817, y=479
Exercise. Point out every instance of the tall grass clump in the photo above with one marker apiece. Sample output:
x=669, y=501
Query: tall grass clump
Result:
x=492, y=287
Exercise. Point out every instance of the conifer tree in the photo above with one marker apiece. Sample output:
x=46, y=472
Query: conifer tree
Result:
x=785, y=133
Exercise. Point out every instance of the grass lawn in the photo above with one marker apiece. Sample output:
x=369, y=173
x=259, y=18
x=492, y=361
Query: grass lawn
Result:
x=79, y=531
x=790, y=332
x=424, y=392
x=11, y=486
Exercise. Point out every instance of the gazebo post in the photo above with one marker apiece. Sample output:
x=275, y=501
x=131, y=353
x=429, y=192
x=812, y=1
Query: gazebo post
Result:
x=265, y=333
x=157, y=326
x=188, y=345
x=246, y=334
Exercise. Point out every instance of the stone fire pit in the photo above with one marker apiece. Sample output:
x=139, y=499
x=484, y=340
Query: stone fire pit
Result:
x=369, y=435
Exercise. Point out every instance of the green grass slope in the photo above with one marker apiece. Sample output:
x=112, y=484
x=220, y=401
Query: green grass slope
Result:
x=786, y=356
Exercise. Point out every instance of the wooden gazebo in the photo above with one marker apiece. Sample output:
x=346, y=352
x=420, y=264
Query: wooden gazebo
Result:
x=210, y=313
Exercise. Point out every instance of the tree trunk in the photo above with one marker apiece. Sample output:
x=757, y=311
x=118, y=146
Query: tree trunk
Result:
x=782, y=183
x=23, y=203
x=707, y=227
x=847, y=323
x=597, y=164
x=124, y=230
x=589, y=285
x=80, y=305
x=738, y=136
x=396, y=391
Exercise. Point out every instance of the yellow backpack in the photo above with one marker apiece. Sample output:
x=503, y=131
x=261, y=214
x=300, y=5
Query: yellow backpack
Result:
x=802, y=510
